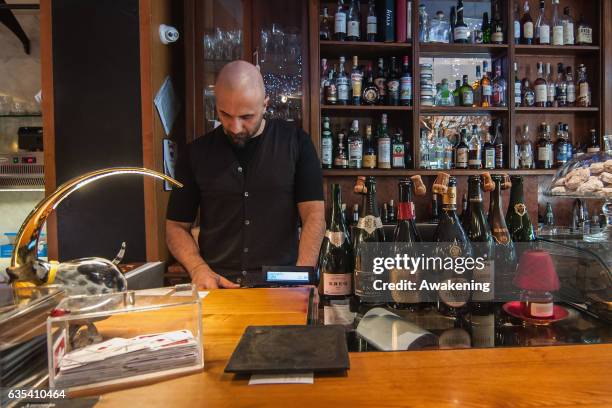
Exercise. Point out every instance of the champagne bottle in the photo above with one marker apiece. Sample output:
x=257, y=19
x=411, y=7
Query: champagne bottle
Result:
x=335, y=263
x=453, y=243
x=517, y=216
x=504, y=252
x=404, y=237
x=369, y=229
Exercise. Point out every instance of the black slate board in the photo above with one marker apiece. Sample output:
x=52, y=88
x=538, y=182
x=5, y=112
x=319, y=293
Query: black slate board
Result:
x=290, y=349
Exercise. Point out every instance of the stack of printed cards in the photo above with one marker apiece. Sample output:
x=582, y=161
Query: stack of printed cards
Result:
x=119, y=357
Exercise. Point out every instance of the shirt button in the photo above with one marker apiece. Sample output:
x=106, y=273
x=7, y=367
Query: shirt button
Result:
x=244, y=273
x=246, y=193
x=246, y=250
x=239, y=169
x=247, y=222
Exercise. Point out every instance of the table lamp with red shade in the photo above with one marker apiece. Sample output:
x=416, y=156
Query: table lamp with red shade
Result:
x=537, y=278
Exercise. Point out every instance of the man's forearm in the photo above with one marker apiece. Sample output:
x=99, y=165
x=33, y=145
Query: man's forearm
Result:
x=184, y=248
x=313, y=229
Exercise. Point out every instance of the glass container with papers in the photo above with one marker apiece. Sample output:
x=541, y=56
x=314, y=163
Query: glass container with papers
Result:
x=123, y=339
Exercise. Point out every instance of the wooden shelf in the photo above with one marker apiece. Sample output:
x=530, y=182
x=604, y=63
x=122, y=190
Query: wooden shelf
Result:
x=364, y=108
x=461, y=110
x=522, y=49
x=363, y=49
x=571, y=109
x=431, y=49
x=411, y=172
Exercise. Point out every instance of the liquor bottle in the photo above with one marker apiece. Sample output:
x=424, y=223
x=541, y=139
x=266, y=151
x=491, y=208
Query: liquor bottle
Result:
x=404, y=236
x=324, y=30
x=423, y=24
x=516, y=23
x=372, y=22
x=340, y=22
x=541, y=88
x=517, y=216
x=485, y=29
x=369, y=95
x=466, y=93
x=327, y=145
x=452, y=242
x=528, y=93
x=488, y=152
x=353, y=25
x=405, y=90
x=568, y=27
x=324, y=79
x=460, y=33
x=381, y=82
x=456, y=94
x=331, y=91
x=549, y=217
x=356, y=81
x=525, y=150
x=563, y=148
x=542, y=28
x=355, y=215
x=479, y=233
x=545, y=148
x=498, y=88
x=593, y=146
x=393, y=85
x=397, y=149
x=461, y=152
x=435, y=213
x=384, y=144
x=335, y=262
x=497, y=28
x=476, y=91
x=570, y=86
x=584, y=90
x=557, y=25
x=551, y=88
x=584, y=32
x=561, y=91
x=369, y=229
x=453, y=22
x=408, y=163
x=499, y=144
x=355, y=146
x=475, y=150
x=518, y=95
x=526, y=25
x=343, y=84
x=341, y=157
x=386, y=20
x=505, y=254
x=392, y=213
x=486, y=91
x=463, y=217
x=369, y=150
x=384, y=214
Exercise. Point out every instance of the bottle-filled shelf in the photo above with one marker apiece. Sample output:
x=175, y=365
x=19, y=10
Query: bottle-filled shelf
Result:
x=569, y=109
x=461, y=110
x=552, y=50
x=425, y=172
x=365, y=108
x=453, y=49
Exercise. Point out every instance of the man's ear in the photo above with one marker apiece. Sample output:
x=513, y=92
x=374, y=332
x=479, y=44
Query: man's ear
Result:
x=266, y=101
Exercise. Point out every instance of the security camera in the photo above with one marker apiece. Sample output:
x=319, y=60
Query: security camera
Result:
x=168, y=34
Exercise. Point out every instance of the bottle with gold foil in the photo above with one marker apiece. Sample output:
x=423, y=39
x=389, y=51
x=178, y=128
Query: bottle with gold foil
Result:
x=517, y=217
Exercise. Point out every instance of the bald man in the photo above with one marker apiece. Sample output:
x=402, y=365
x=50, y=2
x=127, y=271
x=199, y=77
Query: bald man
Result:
x=251, y=179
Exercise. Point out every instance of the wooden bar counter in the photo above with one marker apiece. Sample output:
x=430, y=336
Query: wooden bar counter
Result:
x=558, y=376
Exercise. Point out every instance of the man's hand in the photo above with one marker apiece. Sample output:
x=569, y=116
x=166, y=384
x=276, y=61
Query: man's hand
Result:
x=205, y=278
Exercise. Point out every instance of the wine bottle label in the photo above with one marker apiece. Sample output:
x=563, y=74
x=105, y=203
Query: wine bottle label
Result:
x=497, y=37
x=337, y=284
x=540, y=93
x=528, y=30
x=517, y=93
x=484, y=276
x=544, y=34
x=557, y=35
x=355, y=149
x=490, y=158
x=369, y=224
x=356, y=81
x=370, y=95
x=585, y=35
x=584, y=90
x=381, y=84
x=571, y=92
x=568, y=33
x=326, y=150
x=467, y=97
x=372, y=25
x=405, y=211
x=340, y=23
x=541, y=309
x=487, y=90
x=338, y=314
x=384, y=152
x=369, y=161
x=520, y=209
x=593, y=150
x=498, y=95
x=475, y=163
x=543, y=153
x=393, y=88
x=454, y=298
x=398, y=156
x=551, y=91
x=406, y=88
x=332, y=94
x=353, y=29
x=483, y=330
x=530, y=99
x=336, y=238
x=460, y=33
x=343, y=90
x=461, y=158
x=450, y=198
x=499, y=156
x=517, y=29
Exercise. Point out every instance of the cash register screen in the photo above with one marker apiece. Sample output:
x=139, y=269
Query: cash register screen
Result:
x=279, y=276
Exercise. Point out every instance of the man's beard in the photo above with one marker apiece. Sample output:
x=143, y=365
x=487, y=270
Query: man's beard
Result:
x=239, y=140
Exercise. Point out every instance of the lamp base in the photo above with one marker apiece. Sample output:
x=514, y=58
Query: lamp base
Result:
x=515, y=309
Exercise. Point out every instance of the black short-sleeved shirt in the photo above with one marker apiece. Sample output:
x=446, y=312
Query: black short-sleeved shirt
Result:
x=247, y=197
